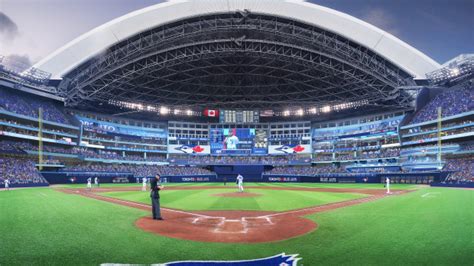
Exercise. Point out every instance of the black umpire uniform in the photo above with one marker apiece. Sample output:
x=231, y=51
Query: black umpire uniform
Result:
x=155, y=197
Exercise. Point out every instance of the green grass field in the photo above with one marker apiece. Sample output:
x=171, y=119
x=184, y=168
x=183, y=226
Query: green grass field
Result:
x=270, y=200
x=233, y=186
x=45, y=227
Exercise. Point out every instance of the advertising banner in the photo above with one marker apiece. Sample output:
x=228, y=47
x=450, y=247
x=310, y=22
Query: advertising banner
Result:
x=113, y=128
x=289, y=149
x=190, y=149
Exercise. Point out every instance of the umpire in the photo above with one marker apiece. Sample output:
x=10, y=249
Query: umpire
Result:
x=155, y=197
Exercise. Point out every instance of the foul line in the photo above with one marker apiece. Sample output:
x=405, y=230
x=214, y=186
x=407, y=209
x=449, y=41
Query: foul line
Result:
x=428, y=194
x=96, y=196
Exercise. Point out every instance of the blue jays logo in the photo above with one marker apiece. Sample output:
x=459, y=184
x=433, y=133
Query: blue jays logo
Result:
x=277, y=260
x=190, y=150
x=288, y=149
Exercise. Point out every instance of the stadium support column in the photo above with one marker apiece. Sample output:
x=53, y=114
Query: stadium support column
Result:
x=333, y=150
x=439, y=136
x=80, y=135
x=40, y=138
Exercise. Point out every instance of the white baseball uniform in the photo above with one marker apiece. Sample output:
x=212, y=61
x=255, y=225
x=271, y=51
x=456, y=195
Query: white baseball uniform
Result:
x=7, y=184
x=231, y=142
x=89, y=184
x=240, y=181
x=387, y=185
x=144, y=181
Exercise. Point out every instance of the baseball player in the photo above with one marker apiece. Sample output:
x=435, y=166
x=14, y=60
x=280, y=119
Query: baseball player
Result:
x=387, y=184
x=240, y=181
x=7, y=184
x=231, y=141
x=96, y=181
x=89, y=183
x=144, y=181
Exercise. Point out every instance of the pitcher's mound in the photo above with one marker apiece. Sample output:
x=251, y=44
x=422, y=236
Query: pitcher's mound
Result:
x=238, y=195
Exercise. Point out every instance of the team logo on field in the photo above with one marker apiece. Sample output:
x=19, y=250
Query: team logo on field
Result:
x=277, y=260
x=289, y=149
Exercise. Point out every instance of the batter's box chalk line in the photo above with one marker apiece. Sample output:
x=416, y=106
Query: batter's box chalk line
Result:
x=246, y=223
x=260, y=220
x=206, y=219
x=221, y=227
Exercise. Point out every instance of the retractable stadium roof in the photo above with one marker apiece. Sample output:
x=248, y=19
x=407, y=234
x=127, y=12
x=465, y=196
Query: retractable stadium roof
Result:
x=237, y=54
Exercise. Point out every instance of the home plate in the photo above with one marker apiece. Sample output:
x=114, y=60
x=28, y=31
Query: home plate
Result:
x=232, y=227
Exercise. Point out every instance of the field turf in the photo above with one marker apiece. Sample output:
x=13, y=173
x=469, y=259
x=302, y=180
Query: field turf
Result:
x=205, y=199
x=231, y=185
x=431, y=226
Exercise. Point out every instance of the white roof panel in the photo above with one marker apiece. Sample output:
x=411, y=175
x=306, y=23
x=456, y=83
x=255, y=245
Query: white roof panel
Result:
x=97, y=40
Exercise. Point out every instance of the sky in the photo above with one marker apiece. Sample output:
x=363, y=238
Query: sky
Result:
x=31, y=29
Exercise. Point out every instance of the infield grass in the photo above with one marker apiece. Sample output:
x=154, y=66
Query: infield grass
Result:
x=206, y=199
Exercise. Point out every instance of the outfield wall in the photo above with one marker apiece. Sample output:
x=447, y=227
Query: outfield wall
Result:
x=81, y=177
x=27, y=185
x=105, y=177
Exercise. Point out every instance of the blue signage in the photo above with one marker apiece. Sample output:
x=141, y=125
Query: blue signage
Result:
x=113, y=128
x=278, y=260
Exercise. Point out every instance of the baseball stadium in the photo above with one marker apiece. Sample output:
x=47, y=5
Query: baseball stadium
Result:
x=236, y=132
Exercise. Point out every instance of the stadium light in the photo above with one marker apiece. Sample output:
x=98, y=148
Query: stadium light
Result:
x=286, y=113
x=300, y=112
x=455, y=71
x=326, y=109
x=164, y=110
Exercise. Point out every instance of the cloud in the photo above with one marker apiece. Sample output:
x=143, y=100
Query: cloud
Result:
x=17, y=62
x=381, y=19
x=8, y=27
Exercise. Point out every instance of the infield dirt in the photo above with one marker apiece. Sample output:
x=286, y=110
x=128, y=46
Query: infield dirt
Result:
x=234, y=226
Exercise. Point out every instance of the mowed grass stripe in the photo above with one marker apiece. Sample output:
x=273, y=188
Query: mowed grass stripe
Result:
x=227, y=203
x=407, y=229
x=206, y=199
x=38, y=222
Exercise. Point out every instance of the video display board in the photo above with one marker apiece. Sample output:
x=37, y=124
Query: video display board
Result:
x=238, y=141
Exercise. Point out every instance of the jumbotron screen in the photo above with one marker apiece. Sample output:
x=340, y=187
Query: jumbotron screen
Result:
x=238, y=141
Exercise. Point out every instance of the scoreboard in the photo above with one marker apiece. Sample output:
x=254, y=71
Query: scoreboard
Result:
x=238, y=116
x=249, y=141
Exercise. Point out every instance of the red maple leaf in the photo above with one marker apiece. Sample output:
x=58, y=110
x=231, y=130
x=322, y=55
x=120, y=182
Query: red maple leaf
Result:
x=298, y=148
x=198, y=149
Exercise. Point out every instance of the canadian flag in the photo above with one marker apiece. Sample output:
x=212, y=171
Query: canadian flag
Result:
x=211, y=112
